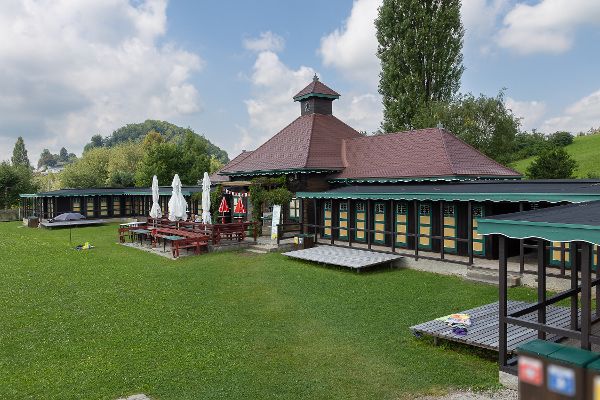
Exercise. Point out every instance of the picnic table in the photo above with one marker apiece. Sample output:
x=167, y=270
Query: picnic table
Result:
x=181, y=239
x=141, y=234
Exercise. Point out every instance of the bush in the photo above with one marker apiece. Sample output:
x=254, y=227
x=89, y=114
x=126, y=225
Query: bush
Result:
x=560, y=139
x=553, y=163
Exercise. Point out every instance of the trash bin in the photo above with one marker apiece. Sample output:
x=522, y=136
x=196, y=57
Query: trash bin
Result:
x=533, y=358
x=592, y=384
x=304, y=241
x=566, y=373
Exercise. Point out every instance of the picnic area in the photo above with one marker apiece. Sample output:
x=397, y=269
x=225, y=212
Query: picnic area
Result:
x=113, y=321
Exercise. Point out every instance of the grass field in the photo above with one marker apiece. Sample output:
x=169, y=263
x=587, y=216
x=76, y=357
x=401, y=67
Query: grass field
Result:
x=584, y=149
x=115, y=321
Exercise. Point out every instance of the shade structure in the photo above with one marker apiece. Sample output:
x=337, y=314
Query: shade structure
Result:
x=223, y=207
x=177, y=203
x=206, y=218
x=239, y=207
x=69, y=217
x=155, y=211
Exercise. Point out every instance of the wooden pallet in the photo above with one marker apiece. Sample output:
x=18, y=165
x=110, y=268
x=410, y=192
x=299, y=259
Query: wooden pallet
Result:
x=343, y=256
x=484, y=328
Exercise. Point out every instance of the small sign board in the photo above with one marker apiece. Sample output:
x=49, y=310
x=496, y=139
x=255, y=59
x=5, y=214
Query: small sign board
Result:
x=275, y=221
x=561, y=380
x=531, y=371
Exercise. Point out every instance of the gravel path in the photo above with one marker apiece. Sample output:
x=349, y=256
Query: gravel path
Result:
x=504, y=394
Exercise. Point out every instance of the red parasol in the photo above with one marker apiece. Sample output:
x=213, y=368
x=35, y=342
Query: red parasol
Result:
x=239, y=207
x=223, y=207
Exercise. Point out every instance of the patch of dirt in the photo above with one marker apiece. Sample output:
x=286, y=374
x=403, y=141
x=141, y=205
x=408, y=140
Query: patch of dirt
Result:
x=504, y=394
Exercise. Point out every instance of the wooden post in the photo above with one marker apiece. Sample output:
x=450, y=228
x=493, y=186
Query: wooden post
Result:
x=586, y=296
x=332, y=240
x=416, y=214
x=350, y=219
x=562, y=259
x=441, y=229
x=574, y=284
x=470, y=233
x=503, y=298
x=315, y=218
x=393, y=219
x=521, y=248
x=541, y=284
x=597, y=256
x=368, y=223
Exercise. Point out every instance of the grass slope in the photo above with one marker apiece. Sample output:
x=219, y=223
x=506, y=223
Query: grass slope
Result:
x=584, y=149
x=115, y=321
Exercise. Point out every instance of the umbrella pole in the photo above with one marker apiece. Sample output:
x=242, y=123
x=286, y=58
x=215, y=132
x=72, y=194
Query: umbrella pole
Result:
x=70, y=235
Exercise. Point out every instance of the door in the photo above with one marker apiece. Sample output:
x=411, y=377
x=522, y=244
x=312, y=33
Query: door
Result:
x=360, y=216
x=117, y=206
x=478, y=240
x=343, y=218
x=379, y=223
x=327, y=218
x=450, y=228
x=89, y=207
x=104, y=206
x=425, y=225
x=401, y=218
x=556, y=254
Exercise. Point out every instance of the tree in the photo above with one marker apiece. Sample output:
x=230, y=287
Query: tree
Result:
x=560, y=139
x=47, y=159
x=160, y=158
x=19, y=156
x=553, y=163
x=123, y=163
x=420, y=45
x=63, y=155
x=90, y=171
x=483, y=122
x=96, y=141
x=14, y=180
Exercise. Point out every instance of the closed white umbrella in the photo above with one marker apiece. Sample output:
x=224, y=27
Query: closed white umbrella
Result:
x=177, y=203
x=155, y=211
x=206, y=218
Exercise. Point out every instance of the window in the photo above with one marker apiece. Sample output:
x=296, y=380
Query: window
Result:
x=424, y=209
x=76, y=204
x=328, y=205
x=116, y=206
x=449, y=211
x=477, y=211
x=401, y=208
x=90, y=207
x=343, y=207
x=379, y=208
x=295, y=208
x=103, y=206
x=360, y=207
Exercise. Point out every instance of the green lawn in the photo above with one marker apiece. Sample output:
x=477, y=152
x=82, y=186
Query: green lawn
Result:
x=116, y=321
x=584, y=149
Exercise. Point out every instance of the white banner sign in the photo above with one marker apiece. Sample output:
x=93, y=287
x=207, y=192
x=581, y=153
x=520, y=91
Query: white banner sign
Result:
x=275, y=221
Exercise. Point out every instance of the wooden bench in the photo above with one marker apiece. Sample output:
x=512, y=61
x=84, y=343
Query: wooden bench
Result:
x=199, y=244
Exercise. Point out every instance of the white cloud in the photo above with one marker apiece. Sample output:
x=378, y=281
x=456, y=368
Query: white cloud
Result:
x=267, y=41
x=530, y=112
x=480, y=19
x=578, y=117
x=274, y=84
x=548, y=26
x=72, y=69
x=363, y=112
x=352, y=48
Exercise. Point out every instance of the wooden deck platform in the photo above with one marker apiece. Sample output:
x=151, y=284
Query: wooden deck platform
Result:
x=343, y=256
x=72, y=224
x=485, y=327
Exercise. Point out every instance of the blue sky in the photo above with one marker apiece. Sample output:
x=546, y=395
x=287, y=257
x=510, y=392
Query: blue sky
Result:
x=228, y=69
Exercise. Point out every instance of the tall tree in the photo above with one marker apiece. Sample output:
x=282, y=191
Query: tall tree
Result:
x=19, y=156
x=47, y=159
x=63, y=155
x=420, y=43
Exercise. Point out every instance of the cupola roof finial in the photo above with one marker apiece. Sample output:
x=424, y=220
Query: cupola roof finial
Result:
x=315, y=78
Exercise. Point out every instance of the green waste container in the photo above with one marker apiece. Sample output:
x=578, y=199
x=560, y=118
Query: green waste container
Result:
x=566, y=373
x=593, y=381
x=533, y=358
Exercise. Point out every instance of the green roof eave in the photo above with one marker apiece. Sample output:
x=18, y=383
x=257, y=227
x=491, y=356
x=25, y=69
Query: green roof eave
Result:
x=554, y=232
x=321, y=95
x=450, y=178
x=28, y=195
x=494, y=197
x=280, y=171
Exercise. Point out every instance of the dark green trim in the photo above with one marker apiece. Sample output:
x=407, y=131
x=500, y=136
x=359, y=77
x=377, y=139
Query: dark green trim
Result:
x=478, y=197
x=364, y=221
x=375, y=221
x=403, y=244
x=453, y=178
x=321, y=95
x=280, y=171
x=550, y=231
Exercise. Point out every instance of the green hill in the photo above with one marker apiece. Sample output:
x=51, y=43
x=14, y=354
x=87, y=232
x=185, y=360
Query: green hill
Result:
x=584, y=149
x=136, y=132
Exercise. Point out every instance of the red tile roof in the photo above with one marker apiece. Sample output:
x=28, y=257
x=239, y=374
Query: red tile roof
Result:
x=311, y=141
x=217, y=177
x=419, y=153
x=316, y=87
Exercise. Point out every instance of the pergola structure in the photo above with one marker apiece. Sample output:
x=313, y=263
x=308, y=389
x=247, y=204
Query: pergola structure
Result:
x=577, y=225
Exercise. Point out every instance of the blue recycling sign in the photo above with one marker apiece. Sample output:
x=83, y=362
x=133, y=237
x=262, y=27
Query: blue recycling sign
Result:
x=561, y=380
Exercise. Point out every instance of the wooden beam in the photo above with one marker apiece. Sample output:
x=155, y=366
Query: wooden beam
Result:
x=541, y=284
x=503, y=299
x=574, y=285
x=470, y=231
x=416, y=228
x=368, y=231
x=521, y=248
x=586, y=296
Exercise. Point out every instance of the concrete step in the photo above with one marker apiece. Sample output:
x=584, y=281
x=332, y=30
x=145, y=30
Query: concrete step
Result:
x=490, y=276
x=257, y=251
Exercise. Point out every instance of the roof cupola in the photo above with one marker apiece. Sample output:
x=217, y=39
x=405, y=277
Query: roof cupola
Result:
x=316, y=98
